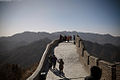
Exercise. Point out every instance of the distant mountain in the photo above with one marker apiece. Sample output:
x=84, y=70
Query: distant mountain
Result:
x=98, y=38
x=107, y=52
x=24, y=38
x=12, y=44
x=20, y=39
x=101, y=39
x=28, y=54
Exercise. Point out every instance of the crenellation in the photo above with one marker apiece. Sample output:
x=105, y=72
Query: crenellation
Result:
x=110, y=71
x=118, y=71
x=93, y=61
x=86, y=60
x=107, y=70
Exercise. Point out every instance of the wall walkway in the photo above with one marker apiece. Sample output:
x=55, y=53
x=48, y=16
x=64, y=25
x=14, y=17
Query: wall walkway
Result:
x=73, y=70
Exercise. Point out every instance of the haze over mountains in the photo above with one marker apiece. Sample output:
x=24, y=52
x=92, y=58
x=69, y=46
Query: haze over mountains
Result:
x=28, y=37
x=26, y=47
x=98, y=38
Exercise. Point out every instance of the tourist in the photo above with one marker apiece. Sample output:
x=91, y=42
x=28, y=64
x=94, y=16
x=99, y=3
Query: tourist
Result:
x=50, y=61
x=68, y=38
x=54, y=59
x=61, y=63
x=61, y=38
x=74, y=38
x=65, y=38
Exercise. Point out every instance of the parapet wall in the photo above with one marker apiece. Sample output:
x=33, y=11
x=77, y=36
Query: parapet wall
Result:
x=118, y=71
x=110, y=71
x=49, y=49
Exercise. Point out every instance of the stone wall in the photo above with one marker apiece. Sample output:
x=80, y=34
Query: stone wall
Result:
x=110, y=71
x=107, y=70
x=118, y=71
x=49, y=49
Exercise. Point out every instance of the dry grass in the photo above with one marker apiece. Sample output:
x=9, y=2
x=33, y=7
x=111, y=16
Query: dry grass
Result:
x=28, y=72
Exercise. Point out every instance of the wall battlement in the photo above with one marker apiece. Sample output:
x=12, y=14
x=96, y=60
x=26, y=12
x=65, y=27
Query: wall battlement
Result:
x=49, y=50
x=110, y=71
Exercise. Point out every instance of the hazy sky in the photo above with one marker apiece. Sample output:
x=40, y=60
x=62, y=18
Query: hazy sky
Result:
x=96, y=16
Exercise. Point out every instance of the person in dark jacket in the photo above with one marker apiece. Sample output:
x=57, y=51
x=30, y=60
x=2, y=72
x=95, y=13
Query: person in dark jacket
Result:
x=61, y=63
x=54, y=59
x=61, y=38
x=50, y=61
x=95, y=73
x=74, y=38
x=65, y=38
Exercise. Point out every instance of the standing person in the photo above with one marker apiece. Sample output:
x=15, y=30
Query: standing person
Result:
x=61, y=38
x=74, y=38
x=50, y=61
x=54, y=59
x=61, y=63
x=68, y=38
x=65, y=38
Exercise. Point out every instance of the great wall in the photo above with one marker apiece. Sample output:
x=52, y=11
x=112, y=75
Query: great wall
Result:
x=110, y=71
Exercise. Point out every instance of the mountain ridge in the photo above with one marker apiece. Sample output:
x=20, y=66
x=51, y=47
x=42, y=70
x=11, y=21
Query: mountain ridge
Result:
x=34, y=36
x=28, y=54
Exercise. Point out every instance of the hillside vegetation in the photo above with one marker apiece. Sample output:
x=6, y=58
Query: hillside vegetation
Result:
x=20, y=62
